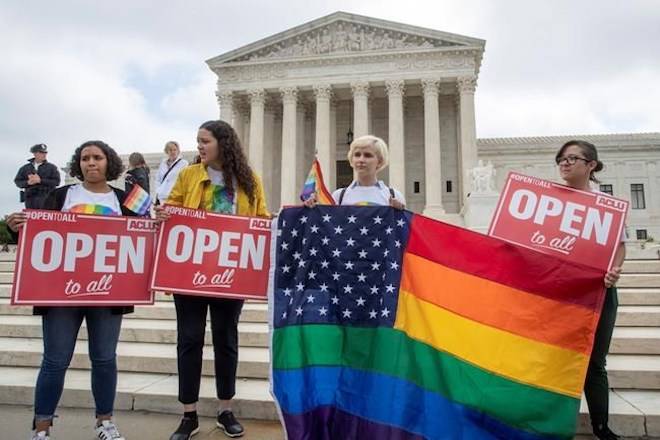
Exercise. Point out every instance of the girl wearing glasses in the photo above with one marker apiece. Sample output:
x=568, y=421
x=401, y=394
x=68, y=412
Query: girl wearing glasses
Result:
x=578, y=162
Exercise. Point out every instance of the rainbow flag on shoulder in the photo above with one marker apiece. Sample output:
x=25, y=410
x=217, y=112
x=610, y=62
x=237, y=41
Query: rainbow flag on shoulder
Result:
x=314, y=184
x=390, y=325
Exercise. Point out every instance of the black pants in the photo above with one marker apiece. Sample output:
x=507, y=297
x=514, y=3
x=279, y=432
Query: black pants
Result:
x=596, y=387
x=191, y=327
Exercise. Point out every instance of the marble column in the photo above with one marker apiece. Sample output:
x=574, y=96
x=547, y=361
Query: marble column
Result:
x=360, y=91
x=468, y=135
x=245, y=115
x=302, y=166
x=289, y=137
x=323, y=94
x=226, y=104
x=397, y=167
x=257, y=102
x=432, y=156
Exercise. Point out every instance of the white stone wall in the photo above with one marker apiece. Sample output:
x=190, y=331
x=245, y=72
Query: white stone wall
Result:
x=628, y=159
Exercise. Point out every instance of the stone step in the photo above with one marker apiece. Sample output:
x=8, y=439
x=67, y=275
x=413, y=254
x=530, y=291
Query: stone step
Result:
x=639, y=280
x=632, y=413
x=6, y=277
x=638, y=297
x=134, y=330
x=7, y=266
x=638, y=316
x=635, y=340
x=140, y=391
x=628, y=316
x=144, y=357
x=252, y=311
x=625, y=340
x=641, y=266
x=8, y=256
x=626, y=371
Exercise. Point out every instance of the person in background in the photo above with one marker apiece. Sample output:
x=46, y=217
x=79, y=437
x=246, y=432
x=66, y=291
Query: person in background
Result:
x=578, y=162
x=168, y=171
x=222, y=182
x=137, y=174
x=37, y=178
x=94, y=163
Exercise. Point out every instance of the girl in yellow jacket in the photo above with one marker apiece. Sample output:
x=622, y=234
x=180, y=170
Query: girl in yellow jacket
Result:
x=223, y=182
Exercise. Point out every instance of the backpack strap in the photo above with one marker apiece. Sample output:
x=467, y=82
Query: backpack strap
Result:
x=341, y=195
x=392, y=193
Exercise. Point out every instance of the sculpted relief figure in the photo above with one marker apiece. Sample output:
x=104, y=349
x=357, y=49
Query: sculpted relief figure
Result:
x=342, y=37
x=483, y=177
x=325, y=45
x=340, y=41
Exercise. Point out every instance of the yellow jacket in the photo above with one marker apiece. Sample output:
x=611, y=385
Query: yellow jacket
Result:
x=193, y=188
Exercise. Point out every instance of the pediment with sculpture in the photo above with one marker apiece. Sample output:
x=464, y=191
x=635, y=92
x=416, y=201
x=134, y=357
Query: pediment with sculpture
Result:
x=344, y=37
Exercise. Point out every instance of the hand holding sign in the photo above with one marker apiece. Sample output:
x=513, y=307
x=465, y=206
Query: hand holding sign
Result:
x=208, y=254
x=76, y=259
x=577, y=225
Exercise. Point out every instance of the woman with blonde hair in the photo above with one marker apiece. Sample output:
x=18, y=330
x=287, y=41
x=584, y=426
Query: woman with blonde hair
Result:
x=168, y=170
x=367, y=156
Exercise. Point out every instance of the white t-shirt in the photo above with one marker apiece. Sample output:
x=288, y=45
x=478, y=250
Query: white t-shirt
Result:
x=82, y=201
x=374, y=195
x=165, y=186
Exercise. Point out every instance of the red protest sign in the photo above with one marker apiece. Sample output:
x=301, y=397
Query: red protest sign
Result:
x=580, y=226
x=67, y=259
x=206, y=254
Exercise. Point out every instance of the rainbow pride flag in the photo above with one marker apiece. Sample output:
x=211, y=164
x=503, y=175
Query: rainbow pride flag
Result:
x=390, y=325
x=138, y=200
x=315, y=185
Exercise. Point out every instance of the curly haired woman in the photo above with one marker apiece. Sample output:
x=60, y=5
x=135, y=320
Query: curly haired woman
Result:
x=223, y=182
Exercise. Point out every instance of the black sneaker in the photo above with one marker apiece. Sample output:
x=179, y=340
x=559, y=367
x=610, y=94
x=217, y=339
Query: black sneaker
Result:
x=228, y=423
x=603, y=432
x=186, y=429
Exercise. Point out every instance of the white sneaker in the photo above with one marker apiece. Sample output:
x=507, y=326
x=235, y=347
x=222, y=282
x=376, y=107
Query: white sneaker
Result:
x=41, y=435
x=108, y=431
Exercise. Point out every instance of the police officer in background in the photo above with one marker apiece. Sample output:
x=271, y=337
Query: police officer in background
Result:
x=37, y=178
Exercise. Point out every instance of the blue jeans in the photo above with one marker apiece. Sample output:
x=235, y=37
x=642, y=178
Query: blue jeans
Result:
x=60, y=328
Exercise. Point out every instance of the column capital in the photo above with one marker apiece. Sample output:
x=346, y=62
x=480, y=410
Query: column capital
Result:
x=360, y=89
x=224, y=96
x=289, y=94
x=395, y=88
x=322, y=91
x=430, y=86
x=466, y=84
x=257, y=96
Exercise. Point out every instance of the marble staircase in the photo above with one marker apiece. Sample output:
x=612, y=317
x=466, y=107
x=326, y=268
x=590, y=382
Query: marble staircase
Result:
x=147, y=357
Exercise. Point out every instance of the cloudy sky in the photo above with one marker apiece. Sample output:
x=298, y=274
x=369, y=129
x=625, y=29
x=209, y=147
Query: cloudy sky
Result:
x=132, y=73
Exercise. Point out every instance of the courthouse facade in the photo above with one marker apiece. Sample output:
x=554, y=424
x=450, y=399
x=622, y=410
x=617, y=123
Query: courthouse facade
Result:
x=311, y=89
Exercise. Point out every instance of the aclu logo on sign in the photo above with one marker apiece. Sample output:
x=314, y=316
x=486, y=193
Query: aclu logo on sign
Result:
x=259, y=224
x=141, y=224
x=606, y=202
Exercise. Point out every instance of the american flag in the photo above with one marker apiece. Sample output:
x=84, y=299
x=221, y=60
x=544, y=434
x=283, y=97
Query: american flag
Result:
x=339, y=265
